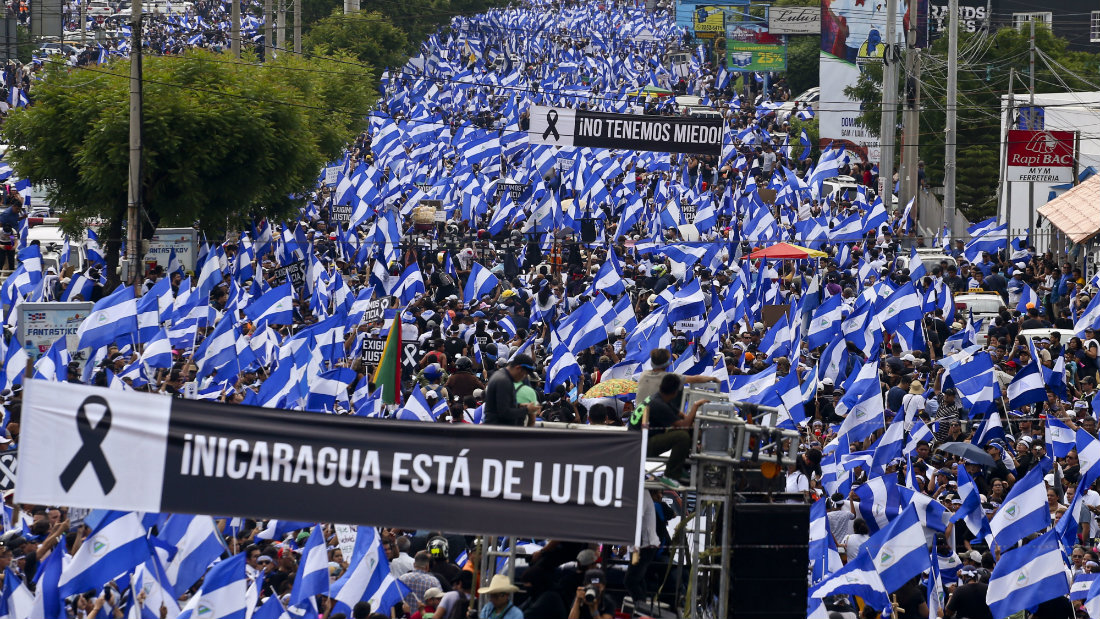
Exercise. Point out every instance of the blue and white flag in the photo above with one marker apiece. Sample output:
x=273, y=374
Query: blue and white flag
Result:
x=900, y=550
x=222, y=595
x=197, y=544
x=858, y=577
x=112, y=317
x=1027, y=387
x=1024, y=510
x=311, y=579
x=115, y=547
x=481, y=283
x=276, y=307
x=368, y=579
x=1025, y=577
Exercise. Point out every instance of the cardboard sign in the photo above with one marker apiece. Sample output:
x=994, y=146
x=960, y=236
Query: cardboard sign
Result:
x=332, y=175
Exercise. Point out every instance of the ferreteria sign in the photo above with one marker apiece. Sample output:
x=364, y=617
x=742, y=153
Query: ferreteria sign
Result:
x=1040, y=156
x=99, y=448
x=558, y=126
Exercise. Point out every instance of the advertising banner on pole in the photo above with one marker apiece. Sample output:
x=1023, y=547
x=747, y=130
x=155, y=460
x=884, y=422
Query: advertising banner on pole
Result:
x=794, y=20
x=559, y=126
x=40, y=324
x=101, y=448
x=1040, y=156
x=750, y=47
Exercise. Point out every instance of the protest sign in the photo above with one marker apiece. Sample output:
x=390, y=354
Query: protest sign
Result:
x=665, y=134
x=150, y=453
x=296, y=271
x=341, y=213
x=376, y=310
x=372, y=350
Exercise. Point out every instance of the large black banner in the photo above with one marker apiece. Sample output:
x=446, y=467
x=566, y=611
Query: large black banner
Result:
x=663, y=134
x=79, y=445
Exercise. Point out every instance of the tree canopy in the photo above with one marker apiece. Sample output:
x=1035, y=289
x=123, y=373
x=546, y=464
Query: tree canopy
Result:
x=224, y=140
x=366, y=36
x=983, y=70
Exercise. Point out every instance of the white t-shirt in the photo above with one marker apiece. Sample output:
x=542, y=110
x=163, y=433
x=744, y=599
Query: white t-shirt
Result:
x=853, y=543
x=1091, y=499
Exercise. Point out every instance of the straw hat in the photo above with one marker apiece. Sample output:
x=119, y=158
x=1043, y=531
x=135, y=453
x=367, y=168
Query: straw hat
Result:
x=499, y=584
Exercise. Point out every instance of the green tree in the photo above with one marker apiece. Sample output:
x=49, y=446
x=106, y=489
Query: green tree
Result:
x=416, y=18
x=982, y=79
x=367, y=36
x=223, y=140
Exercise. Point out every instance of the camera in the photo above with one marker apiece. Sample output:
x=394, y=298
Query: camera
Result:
x=590, y=594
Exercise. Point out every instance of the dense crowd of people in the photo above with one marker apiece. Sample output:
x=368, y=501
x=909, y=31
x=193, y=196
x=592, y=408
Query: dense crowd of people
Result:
x=910, y=408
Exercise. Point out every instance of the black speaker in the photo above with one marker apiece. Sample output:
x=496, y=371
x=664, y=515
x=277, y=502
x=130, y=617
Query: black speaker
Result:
x=769, y=560
x=588, y=230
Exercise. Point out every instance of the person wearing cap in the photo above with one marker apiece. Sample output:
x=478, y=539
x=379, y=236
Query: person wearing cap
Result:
x=650, y=380
x=590, y=602
x=428, y=606
x=500, y=604
x=501, y=406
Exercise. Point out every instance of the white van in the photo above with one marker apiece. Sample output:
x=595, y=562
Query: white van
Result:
x=52, y=242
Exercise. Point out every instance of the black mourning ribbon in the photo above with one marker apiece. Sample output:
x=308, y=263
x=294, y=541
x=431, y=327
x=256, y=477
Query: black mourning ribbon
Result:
x=90, y=451
x=551, y=125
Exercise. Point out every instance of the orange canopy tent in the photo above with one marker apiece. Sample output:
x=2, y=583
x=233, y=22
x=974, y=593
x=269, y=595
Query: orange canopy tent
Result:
x=786, y=251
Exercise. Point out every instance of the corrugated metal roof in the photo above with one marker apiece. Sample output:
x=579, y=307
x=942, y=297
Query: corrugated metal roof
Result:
x=1077, y=211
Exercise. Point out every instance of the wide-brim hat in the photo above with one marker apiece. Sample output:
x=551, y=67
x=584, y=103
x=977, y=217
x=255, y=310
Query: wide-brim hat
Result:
x=499, y=584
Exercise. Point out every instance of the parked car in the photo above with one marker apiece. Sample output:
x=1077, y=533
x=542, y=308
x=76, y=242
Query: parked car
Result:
x=810, y=97
x=983, y=305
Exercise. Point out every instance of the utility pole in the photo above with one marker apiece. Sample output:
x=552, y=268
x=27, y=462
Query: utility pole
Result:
x=1031, y=122
x=267, y=31
x=133, y=184
x=235, y=32
x=83, y=22
x=888, y=126
x=297, y=26
x=280, y=32
x=1002, y=195
x=949, y=168
x=910, y=121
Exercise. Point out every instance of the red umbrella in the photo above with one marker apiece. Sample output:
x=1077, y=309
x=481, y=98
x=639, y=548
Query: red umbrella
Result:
x=786, y=251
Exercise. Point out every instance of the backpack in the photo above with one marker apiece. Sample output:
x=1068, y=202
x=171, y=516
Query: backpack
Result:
x=445, y=279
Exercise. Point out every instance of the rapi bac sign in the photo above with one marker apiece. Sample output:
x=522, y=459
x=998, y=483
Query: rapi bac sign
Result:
x=1040, y=156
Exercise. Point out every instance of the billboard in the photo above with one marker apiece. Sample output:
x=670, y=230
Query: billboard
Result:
x=1040, y=156
x=794, y=20
x=852, y=36
x=183, y=240
x=751, y=47
x=688, y=14
x=972, y=18
x=41, y=324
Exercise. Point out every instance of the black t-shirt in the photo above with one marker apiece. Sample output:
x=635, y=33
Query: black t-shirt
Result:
x=661, y=414
x=1054, y=608
x=969, y=601
x=605, y=607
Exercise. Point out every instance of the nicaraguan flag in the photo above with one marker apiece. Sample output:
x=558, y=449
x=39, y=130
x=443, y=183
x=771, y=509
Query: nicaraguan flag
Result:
x=1024, y=511
x=369, y=578
x=1027, y=576
x=1027, y=386
x=481, y=283
x=112, y=317
x=115, y=547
